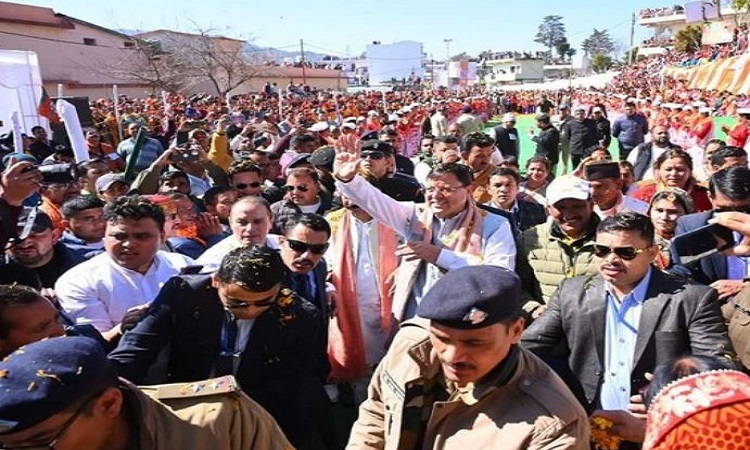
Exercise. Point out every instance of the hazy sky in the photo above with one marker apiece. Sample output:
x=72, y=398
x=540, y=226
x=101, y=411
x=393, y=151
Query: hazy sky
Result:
x=342, y=27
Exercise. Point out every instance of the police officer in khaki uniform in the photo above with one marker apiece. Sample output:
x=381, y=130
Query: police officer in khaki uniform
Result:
x=63, y=393
x=460, y=378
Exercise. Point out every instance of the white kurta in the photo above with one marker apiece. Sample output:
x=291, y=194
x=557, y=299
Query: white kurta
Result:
x=364, y=237
x=99, y=291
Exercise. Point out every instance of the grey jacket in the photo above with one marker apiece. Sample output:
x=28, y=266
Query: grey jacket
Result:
x=678, y=318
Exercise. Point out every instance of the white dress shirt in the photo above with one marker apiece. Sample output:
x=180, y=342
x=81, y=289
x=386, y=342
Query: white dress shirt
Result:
x=211, y=258
x=626, y=203
x=100, y=291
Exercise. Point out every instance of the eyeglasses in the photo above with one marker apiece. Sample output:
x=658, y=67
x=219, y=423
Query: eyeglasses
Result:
x=302, y=247
x=253, y=185
x=626, y=253
x=739, y=209
x=239, y=304
x=443, y=190
x=373, y=155
x=52, y=442
x=301, y=188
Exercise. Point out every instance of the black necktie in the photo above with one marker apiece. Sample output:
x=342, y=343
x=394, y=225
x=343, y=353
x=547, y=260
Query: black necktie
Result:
x=302, y=286
x=227, y=355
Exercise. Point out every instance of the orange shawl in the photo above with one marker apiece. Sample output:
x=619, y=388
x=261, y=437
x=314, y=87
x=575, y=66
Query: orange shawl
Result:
x=466, y=237
x=346, y=348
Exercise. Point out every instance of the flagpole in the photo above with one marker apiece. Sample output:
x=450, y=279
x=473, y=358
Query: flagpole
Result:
x=17, y=137
x=117, y=112
x=281, y=108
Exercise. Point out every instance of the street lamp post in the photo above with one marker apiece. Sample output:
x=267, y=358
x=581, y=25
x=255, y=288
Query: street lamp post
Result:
x=447, y=50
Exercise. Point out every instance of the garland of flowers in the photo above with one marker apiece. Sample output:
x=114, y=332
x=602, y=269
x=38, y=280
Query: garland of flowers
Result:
x=601, y=436
x=284, y=301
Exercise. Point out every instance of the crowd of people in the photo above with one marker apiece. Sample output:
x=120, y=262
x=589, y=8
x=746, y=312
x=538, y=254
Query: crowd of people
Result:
x=257, y=272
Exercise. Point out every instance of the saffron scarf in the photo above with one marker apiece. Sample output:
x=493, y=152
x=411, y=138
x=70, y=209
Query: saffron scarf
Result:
x=346, y=347
x=466, y=237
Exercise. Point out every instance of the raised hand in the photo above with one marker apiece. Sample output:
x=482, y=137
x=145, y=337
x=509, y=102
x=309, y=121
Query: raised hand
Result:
x=346, y=166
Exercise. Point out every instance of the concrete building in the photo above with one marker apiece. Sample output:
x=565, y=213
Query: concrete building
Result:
x=717, y=20
x=514, y=70
x=397, y=61
x=72, y=52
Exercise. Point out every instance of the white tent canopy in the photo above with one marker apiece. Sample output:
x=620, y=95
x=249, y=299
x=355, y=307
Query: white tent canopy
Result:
x=20, y=89
x=598, y=81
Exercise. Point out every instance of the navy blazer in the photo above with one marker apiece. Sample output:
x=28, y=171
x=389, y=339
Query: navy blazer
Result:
x=706, y=270
x=281, y=367
x=320, y=274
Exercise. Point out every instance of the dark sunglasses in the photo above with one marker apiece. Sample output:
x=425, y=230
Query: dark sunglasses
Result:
x=237, y=304
x=301, y=188
x=302, y=247
x=626, y=253
x=373, y=155
x=253, y=185
x=739, y=209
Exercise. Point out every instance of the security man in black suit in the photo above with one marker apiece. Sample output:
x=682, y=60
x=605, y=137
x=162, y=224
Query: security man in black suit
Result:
x=240, y=321
x=378, y=167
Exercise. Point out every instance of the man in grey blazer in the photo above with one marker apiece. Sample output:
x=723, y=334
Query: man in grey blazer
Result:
x=615, y=327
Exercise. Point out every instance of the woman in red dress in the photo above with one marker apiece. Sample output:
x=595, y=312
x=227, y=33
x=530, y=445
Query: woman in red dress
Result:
x=674, y=168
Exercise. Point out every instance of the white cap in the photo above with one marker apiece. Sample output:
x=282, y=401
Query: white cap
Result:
x=348, y=125
x=656, y=102
x=320, y=126
x=743, y=110
x=699, y=104
x=350, y=119
x=393, y=118
x=686, y=107
x=509, y=117
x=675, y=106
x=372, y=113
x=361, y=119
x=596, y=109
x=705, y=109
x=568, y=186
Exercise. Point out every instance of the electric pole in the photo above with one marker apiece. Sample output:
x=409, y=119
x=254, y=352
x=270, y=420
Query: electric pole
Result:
x=632, y=37
x=302, y=56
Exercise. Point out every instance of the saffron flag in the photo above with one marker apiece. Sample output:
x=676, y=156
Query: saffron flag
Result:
x=46, y=108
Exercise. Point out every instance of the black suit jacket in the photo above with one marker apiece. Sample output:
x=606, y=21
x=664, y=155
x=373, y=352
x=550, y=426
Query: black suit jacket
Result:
x=280, y=368
x=678, y=318
x=706, y=270
x=530, y=214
